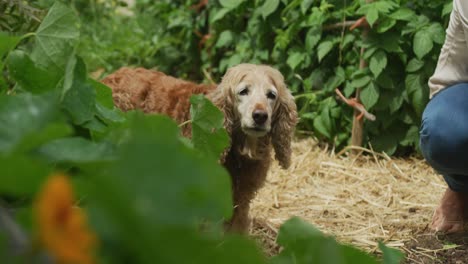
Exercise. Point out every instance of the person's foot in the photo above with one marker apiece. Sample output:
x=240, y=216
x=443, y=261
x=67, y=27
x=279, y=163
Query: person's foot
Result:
x=451, y=214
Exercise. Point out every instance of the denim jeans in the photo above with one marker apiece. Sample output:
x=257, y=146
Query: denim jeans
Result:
x=444, y=135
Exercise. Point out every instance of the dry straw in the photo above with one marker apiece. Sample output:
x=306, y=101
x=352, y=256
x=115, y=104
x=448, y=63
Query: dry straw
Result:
x=359, y=199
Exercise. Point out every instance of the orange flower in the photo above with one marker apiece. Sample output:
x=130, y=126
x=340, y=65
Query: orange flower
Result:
x=63, y=230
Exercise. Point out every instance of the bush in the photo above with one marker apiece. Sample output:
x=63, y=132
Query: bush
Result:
x=301, y=39
x=144, y=194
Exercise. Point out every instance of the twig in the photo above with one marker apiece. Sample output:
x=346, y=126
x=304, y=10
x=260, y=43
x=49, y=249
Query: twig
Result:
x=19, y=240
x=208, y=76
x=356, y=105
x=339, y=25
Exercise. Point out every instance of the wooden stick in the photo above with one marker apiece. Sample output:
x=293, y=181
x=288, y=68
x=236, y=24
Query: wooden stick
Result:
x=358, y=123
x=353, y=102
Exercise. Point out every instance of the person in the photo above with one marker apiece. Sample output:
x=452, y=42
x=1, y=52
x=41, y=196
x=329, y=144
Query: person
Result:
x=444, y=128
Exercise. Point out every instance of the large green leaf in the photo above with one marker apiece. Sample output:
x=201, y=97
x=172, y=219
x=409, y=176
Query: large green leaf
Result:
x=56, y=38
x=21, y=175
x=422, y=43
x=28, y=75
x=378, y=62
x=302, y=243
x=208, y=133
x=24, y=115
x=166, y=192
x=77, y=150
x=79, y=96
x=390, y=255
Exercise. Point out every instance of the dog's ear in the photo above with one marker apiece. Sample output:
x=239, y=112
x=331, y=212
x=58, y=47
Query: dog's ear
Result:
x=223, y=98
x=284, y=121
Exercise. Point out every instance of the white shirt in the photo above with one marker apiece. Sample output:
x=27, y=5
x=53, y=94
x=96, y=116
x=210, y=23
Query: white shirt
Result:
x=452, y=66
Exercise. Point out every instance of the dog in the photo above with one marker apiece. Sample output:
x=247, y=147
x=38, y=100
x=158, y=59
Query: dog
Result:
x=260, y=115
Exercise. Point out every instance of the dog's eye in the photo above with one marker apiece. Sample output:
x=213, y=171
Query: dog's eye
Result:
x=271, y=95
x=244, y=91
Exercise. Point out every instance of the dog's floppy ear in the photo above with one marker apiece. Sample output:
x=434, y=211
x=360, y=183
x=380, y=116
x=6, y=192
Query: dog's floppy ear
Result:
x=284, y=120
x=223, y=98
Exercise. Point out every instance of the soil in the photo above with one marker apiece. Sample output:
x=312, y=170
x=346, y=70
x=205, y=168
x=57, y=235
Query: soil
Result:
x=431, y=249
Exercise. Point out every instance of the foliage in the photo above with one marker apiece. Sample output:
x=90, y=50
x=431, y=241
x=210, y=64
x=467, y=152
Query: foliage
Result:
x=302, y=40
x=151, y=196
x=19, y=16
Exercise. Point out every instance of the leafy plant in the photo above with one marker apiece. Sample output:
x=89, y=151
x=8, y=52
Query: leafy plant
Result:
x=150, y=195
x=308, y=41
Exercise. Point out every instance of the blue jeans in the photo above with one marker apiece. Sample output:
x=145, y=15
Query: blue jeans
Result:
x=444, y=135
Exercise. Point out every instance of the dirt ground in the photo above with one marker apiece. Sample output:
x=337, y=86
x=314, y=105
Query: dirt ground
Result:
x=359, y=199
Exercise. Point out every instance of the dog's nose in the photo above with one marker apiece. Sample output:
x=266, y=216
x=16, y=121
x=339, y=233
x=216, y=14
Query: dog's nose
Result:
x=260, y=116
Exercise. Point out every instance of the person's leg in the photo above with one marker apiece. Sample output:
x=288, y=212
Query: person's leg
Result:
x=444, y=142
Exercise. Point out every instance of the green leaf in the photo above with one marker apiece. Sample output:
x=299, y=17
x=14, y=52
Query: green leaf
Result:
x=295, y=228
x=184, y=188
x=323, y=123
x=390, y=255
x=305, y=5
x=413, y=83
x=219, y=15
x=225, y=39
x=361, y=82
x=79, y=97
x=303, y=243
x=208, y=133
x=24, y=115
x=231, y=4
x=336, y=80
x=419, y=99
x=313, y=36
x=422, y=43
x=372, y=16
x=369, y=95
x=414, y=65
x=269, y=6
x=49, y=132
x=7, y=43
x=295, y=59
x=56, y=38
x=21, y=175
x=385, y=24
x=404, y=14
x=324, y=48
x=378, y=62
x=28, y=75
x=103, y=94
x=77, y=150
x=447, y=8
x=437, y=33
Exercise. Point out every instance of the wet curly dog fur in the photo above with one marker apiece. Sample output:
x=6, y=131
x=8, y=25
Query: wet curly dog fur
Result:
x=260, y=115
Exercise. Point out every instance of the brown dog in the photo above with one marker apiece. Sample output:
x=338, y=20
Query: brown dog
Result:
x=259, y=110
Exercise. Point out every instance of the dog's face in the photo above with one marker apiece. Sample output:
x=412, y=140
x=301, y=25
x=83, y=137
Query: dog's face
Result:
x=255, y=100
